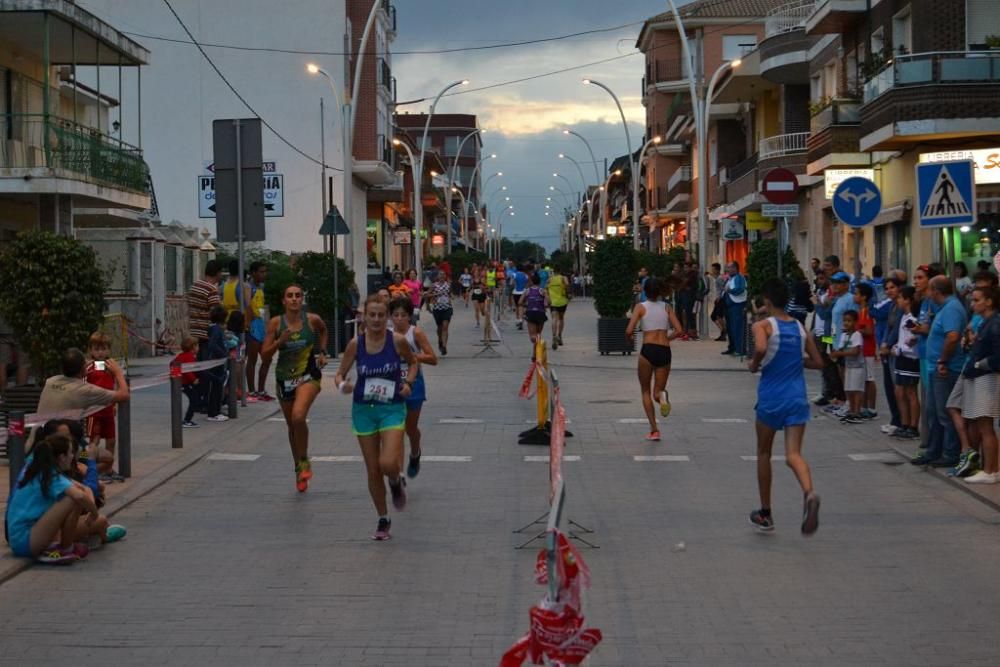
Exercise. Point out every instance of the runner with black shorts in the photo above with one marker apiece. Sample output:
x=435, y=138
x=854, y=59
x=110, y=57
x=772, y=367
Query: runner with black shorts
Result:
x=535, y=300
x=478, y=292
x=299, y=338
x=440, y=300
x=659, y=326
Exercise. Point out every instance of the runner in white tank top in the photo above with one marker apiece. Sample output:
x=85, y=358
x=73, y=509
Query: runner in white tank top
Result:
x=401, y=315
x=659, y=326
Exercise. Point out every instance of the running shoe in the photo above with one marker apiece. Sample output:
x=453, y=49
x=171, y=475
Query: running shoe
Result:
x=413, y=469
x=116, y=533
x=852, y=419
x=920, y=460
x=382, y=530
x=888, y=429
x=252, y=397
x=760, y=521
x=983, y=477
x=264, y=396
x=57, y=556
x=968, y=463
x=867, y=414
x=664, y=405
x=302, y=476
x=217, y=418
x=555, y=343
x=810, y=514
x=654, y=436
x=398, y=491
x=190, y=424
x=307, y=470
x=820, y=400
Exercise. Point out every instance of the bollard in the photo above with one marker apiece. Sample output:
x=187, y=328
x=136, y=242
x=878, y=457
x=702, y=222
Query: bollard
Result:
x=125, y=437
x=234, y=368
x=15, y=445
x=176, y=407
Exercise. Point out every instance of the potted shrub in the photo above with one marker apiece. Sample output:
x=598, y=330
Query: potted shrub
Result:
x=613, y=266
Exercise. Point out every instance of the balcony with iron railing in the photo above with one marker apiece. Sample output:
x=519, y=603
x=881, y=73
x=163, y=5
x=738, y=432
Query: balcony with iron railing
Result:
x=784, y=53
x=32, y=141
x=782, y=145
x=957, y=90
x=390, y=15
x=386, y=81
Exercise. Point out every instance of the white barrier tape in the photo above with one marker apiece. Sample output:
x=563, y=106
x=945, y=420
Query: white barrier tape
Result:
x=36, y=419
x=195, y=366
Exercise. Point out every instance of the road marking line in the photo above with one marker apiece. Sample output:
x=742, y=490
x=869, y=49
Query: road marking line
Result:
x=460, y=421
x=359, y=459
x=545, y=459
x=633, y=420
x=732, y=420
x=233, y=457
x=662, y=457
x=883, y=457
x=281, y=419
x=754, y=458
x=535, y=421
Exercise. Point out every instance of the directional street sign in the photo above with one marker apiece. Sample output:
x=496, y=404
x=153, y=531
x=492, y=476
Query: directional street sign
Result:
x=946, y=193
x=857, y=201
x=779, y=210
x=780, y=186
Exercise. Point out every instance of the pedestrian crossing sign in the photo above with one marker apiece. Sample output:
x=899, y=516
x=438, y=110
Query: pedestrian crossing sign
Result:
x=946, y=193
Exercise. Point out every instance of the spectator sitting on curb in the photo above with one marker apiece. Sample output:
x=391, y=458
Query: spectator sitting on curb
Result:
x=71, y=392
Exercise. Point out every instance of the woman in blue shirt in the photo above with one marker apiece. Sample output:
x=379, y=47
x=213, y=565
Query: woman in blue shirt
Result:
x=46, y=503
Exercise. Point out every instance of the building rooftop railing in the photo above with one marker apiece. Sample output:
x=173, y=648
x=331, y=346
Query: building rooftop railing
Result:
x=788, y=17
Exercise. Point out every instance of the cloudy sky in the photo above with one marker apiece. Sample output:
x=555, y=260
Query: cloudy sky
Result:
x=524, y=119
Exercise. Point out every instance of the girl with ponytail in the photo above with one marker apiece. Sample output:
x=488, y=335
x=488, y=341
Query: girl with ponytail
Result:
x=46, y=504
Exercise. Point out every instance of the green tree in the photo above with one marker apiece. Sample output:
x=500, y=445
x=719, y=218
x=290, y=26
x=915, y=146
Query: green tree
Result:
x=52, y=295
x=614, y=267
x=314, y=272
x=565, y=262
x=762, y=264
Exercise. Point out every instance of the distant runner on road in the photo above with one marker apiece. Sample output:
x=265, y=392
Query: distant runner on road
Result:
x=781, y=350
x=659, y=326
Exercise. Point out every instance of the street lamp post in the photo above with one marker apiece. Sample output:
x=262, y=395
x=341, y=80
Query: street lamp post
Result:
x=642, y=155
x=635, y=165
x=418, y=183
x=565, y=197
x=487, y=181
x=604, y=199
x=399, y=143
x=454, y=171
x=475, y=171
x=593, y=160
x=556, y=174
x=465, y=213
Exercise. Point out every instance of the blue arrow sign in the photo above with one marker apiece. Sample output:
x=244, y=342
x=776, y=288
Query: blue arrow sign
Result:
x=857, y=201
x=946, y=193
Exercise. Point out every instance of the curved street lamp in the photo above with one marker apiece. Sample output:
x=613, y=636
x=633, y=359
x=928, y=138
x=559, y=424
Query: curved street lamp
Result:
x=454, y=171
x=418, y=184
x=635, y=166
x=593, y=160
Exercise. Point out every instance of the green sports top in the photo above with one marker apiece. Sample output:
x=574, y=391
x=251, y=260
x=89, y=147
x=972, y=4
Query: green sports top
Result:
x=293, y=356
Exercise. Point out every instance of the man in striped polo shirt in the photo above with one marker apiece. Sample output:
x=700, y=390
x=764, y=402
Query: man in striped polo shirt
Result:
x=202, y=296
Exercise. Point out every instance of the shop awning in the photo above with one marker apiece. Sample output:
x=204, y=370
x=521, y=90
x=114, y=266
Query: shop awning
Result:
x=897, y=212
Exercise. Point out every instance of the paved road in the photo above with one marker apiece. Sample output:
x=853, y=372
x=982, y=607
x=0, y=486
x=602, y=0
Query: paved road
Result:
x=227, y=565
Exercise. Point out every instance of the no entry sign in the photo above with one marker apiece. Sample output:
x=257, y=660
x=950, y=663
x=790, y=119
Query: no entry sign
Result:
x=780, y=186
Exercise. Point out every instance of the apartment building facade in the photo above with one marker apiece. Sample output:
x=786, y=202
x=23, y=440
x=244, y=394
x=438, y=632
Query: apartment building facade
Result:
x=836, y=88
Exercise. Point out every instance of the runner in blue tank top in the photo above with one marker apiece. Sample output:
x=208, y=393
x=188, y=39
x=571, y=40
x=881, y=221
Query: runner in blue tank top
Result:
x=781, y=351
x=378, y=413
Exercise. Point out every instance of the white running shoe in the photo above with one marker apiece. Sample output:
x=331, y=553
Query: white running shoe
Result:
x=217, y=418
x=983, y=477
x=889, y=429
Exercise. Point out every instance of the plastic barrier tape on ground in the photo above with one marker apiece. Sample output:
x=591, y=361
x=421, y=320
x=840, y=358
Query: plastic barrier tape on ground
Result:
x=557, y=632
x=557, y=445
x=37, y=419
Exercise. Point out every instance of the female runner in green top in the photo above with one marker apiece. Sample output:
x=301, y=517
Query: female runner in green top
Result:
x=299, y=338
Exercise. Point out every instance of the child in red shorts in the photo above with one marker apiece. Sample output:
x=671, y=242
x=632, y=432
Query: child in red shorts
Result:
x=101, y=425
